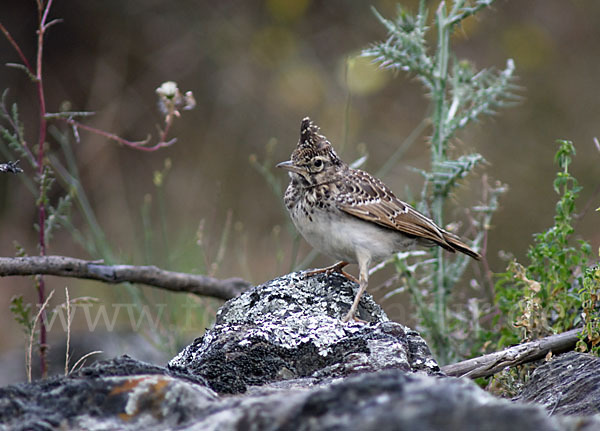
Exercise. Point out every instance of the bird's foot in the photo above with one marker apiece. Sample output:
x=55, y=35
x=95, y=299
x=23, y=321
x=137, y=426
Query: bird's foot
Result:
x=352, y=316
x=337, y=268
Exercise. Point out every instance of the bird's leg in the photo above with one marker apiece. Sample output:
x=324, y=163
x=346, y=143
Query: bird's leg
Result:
x=363, y=264
x=338, y=268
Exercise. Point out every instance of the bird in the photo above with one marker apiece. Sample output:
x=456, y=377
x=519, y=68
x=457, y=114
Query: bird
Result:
x=350, y=215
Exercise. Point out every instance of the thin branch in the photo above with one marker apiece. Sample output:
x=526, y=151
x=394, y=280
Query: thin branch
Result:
x=43, y=129
x=488, y=365
x=138, y=145
x=168, y=123
x=53, y=22
x=15, y=45
x=63, y=266
x=24, y=69
x=81, y=360
x=43, y=24
x=68, y=114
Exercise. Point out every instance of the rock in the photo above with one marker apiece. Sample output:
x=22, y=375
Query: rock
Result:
x=113, y=394
x=290, y=328
x=291, y=364
x=569, y=384
x=100, y=398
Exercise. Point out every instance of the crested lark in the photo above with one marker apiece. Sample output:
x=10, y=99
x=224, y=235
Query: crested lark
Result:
x=350, y=215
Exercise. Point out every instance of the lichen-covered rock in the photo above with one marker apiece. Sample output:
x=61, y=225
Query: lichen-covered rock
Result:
x=117, y=394
x=568, y=385
x=290, y=327
x=291, y=364
x=100, y=398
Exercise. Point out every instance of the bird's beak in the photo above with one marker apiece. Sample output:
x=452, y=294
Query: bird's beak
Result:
x=290, y=166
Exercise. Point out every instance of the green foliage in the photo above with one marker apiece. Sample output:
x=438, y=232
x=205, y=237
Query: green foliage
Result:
x=22, y=313
x=58, y=215
x=476, y=93
x=56, y=168
x=558, y=290
x=405, y=48
x=445, y=174
x=460, y=95
x=590, y=303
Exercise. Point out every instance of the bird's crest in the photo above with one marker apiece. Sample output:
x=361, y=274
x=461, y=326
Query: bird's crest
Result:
x=312, y=143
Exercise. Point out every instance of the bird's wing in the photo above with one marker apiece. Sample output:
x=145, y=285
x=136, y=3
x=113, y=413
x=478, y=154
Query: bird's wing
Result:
x=369, y=199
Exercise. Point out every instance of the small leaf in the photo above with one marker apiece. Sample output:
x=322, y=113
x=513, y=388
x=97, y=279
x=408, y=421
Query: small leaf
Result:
x=22, y=313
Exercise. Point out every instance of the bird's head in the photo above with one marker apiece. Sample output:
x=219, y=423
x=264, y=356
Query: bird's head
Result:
x=314, y=160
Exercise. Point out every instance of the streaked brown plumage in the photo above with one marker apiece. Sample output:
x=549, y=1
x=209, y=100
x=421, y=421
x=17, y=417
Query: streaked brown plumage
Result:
x=350, y=215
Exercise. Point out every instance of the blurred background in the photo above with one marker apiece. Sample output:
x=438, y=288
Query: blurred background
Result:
x=256, y=68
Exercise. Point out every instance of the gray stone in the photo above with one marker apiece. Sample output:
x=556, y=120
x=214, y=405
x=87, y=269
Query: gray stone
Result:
x=102, y=399
x=290, y=327
x=108, y=395
x=291, y=364
x=569, y=384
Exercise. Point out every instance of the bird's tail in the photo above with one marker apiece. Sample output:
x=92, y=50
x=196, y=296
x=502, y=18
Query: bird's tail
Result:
x=458, y=245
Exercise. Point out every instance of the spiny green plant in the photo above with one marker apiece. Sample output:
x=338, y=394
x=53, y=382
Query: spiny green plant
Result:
x=459, y=95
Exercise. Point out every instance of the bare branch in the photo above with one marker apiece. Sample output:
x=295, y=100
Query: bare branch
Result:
x=68, y=114
x=17, y=48
x=63, y=266
x=138, y=145
x=51, y=23
x=487, y=365
x=24, y=69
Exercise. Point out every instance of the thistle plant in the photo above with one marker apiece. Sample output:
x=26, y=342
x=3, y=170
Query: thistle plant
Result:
x=459, y=95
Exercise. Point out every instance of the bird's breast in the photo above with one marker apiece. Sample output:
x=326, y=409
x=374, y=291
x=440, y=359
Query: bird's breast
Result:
x=340, y=235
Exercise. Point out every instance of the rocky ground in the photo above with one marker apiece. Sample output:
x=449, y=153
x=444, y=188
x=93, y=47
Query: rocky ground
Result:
x=279, y=358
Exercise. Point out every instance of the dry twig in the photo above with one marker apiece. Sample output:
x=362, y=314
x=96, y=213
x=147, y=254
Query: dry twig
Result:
x=79, y=364
x=487, y=365
x=31, y=335
x=68, y=330
x=63, y=266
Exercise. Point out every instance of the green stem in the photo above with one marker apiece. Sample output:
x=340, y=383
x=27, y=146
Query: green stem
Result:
x=438, y=155
x=439, y=93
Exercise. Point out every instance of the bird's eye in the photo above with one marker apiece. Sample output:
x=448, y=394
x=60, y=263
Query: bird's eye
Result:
x=317, y=163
